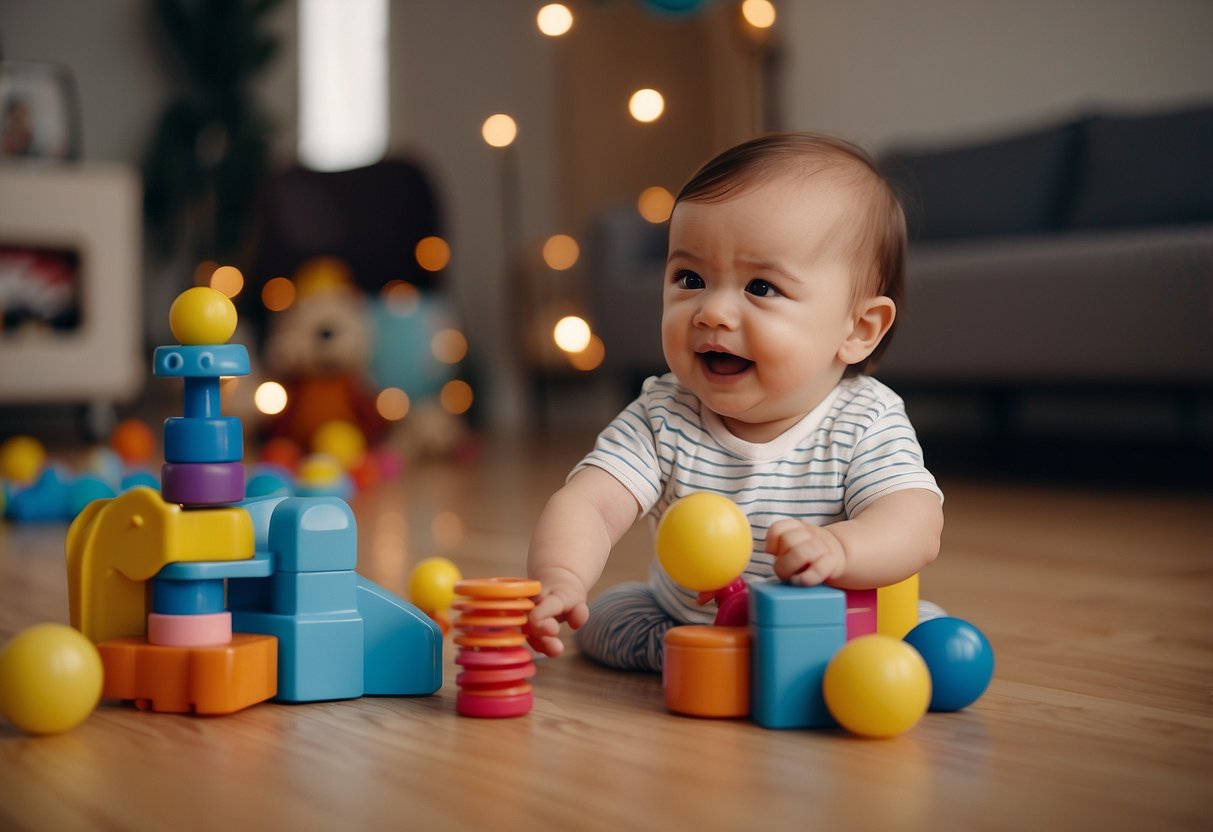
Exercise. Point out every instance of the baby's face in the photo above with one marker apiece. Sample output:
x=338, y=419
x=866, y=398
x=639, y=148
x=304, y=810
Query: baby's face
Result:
x=758, y=301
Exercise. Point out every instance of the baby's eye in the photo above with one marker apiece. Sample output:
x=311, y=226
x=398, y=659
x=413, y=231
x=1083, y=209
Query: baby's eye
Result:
x=687, y=279
x=761, y=288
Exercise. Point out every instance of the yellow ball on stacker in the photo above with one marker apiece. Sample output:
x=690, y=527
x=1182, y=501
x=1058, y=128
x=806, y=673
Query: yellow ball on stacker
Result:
x=704, y=541
x=202, y=315
x=432, y=584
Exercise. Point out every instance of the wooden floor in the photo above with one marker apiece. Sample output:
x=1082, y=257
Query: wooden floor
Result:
x=1099, y=606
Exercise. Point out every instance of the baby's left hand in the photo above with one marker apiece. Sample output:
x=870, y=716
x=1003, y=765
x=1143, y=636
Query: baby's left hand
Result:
x=805, y=554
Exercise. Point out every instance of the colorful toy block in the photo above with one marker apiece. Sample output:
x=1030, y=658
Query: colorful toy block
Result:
x=320, y=655
x=114, y=546
x=402, y=646
x=197, y=439
x=316, y=534
x=796, y=631
x=897, y=608
x=187, y=597
x=208, y=680
x=48, y=500
x=207, y=630
x=300, y=593
x=861, y=612
x=706, y=671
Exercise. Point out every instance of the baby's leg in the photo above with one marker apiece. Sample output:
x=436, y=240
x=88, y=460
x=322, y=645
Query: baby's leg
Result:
x=625, y=629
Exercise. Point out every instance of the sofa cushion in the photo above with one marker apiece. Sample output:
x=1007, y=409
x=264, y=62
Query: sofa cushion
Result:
x=1014, y=186
x=1149, y=170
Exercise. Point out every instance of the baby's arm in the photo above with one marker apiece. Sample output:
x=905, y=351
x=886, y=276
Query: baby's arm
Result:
x=569, y=548
x=892, y=539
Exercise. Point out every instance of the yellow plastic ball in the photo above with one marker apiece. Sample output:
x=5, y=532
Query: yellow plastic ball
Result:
x=432, y=584
x=50, y=679
x=341, y=440
x=202, y=315
x=877, y=686
x=704, y=541
x=319, y=470
x=21, y=458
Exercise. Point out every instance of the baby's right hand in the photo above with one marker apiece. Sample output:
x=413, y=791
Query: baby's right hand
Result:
x=556, y=604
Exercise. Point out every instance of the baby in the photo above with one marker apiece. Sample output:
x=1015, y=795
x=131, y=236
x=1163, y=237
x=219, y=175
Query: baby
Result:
x=786, y=262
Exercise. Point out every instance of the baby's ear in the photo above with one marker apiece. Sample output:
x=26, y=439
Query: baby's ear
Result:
x=872, y=320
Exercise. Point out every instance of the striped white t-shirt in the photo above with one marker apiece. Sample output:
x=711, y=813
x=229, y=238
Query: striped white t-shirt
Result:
x=856, y=446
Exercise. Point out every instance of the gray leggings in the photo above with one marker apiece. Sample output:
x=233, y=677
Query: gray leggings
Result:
x=626, y=629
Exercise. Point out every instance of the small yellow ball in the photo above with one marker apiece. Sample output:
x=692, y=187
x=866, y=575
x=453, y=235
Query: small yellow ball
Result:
x=704, y=541
x=319, y=470
x=202, y=315
x=432, y=584
x=50, y=679
x=21, y=458
x=341, y=440
x=877, y=686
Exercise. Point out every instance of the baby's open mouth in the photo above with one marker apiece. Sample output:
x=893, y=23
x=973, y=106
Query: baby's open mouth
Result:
x=724, y=363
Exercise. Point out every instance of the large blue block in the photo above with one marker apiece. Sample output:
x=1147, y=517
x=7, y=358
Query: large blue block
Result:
x=261, y=510
x=313, y=534
x=219, y=439
x=48, y=500
x=796, y=631
x=319, y=656
x=402, y=648
x=294, y=593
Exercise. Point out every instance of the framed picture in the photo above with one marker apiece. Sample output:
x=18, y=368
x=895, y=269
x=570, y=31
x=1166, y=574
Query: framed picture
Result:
x=39, y=116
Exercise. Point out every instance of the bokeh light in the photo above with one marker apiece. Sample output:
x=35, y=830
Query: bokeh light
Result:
x=590, y=357
x=449, y=346
x=560, y=252
x=447, y=529
x=203, y=272
x=432, y=253
x=392, y=404
x=655, y=204
x=499, y=130
x=646, y=105
x=456, y=397
x=571, y=334
x=401, y=297
x=554, y=19
x=278, y=294
x=227, y=279
x=759, y=13
x=270, y=398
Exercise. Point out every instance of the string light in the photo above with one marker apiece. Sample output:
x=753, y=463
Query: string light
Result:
x=554, y=19
x=278, y=294
x=449, y=346
x=560, y=252
x=392, y=404
x=456, y=397
x=499, y=130
x=759, y=13
x=655, y=204
x=227, y=279
x=646, y=105
x=571, y=334
x=270, y=398
x=590, y=357
x=432, y=253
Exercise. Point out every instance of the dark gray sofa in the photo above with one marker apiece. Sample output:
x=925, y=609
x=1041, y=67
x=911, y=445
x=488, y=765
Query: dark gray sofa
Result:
x=1077, y=257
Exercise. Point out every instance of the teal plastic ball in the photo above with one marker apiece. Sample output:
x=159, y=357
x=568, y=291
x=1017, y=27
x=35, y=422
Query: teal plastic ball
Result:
x=959, y=658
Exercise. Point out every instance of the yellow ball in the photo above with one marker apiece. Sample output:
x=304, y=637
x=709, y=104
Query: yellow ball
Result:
x=432, y=584
x=319, y=470
x=704, y=541
x=202, y=315
x=50, y=679
x=341, y=440
x=877, y=686
x=21, y=458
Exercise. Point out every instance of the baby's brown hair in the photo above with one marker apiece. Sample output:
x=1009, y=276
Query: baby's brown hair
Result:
x=880, y=239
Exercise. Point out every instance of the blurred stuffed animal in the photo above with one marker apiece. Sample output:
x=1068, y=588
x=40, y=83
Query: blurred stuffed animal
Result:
x=318, y=350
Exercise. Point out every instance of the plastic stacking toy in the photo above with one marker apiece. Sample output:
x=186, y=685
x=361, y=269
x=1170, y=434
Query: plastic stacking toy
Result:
x=492, y=648
x=50, y=679
x=432, y=588
x=959, y=658
x=877, y=686
x=202, y=449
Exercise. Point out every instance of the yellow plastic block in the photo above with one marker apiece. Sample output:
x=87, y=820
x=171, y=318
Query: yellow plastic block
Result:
x=897, y=607
x=115, y=546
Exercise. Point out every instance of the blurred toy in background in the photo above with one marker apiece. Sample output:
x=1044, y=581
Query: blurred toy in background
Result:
x=318, y=349
x=432, y=588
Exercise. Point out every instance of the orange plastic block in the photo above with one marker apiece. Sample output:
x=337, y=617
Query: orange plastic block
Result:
x=706, y=671
x=208, y=680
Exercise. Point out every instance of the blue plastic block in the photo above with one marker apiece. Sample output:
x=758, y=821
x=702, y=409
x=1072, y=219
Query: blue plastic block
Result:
x=269, y=481
x=85, y=489
x=260, y=565
x=48, y=500
x=172, y=597
x=294, y=593
x=204, y=361
x=796, y=631
x=314, y=534
x=138, y=478
x=218, y=439
x=319, y=656
x=261, y=509
x=403, y=645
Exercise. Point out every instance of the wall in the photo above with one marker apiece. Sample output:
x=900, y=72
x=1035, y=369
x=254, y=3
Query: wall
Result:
x=885, y=71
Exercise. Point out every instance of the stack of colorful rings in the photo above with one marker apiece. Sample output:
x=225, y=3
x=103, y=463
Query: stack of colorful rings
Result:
x=492, y=647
